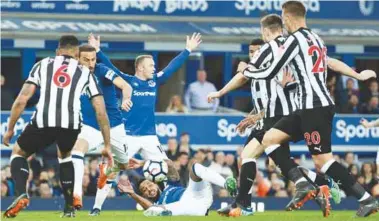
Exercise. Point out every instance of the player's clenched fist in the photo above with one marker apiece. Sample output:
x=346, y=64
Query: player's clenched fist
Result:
x=213, y=95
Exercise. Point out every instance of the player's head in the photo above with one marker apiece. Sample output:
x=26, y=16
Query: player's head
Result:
x=271, y=27
x=145, y=66
x=293, y=15
x=87, y=56
x=149, y=189
x=68, y=45
x=201, y=75
x=254, y=46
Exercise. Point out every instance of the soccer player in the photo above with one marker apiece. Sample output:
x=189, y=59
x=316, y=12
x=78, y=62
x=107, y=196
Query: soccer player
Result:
x=305, y=52
x=61, y=80
x=89, y=137
x=140, y=120
x=175, y=200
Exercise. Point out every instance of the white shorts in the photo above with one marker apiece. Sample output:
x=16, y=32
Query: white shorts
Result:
x=198, y=194
x=148, y=146
x=118, y=141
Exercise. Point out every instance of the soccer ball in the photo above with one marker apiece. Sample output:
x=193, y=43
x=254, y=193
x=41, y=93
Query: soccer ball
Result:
x=155, y=171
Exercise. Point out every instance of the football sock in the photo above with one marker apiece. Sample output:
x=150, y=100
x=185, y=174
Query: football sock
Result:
x=20, y=173
x=66, y=171
x=247, y=177
x=208, y=175
x=101, y=194
x=78, y=161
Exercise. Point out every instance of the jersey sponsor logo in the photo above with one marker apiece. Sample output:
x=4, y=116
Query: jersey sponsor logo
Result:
x=229, y=131
x=351, y=131
x=151, y=83
x=143, y=94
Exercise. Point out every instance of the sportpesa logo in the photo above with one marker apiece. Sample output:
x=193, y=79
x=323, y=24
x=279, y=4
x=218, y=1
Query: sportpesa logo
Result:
x=144, y=93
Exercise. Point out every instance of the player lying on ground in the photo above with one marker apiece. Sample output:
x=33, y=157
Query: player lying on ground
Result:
x=175, y=200
x=139, y=122
x=89, y=137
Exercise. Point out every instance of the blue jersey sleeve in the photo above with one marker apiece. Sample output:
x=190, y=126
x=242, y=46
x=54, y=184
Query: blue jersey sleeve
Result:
x=172, y=67
x=107, y=73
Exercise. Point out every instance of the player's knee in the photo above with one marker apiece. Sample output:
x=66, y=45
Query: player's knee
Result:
x=321, y=159
x=81, y=146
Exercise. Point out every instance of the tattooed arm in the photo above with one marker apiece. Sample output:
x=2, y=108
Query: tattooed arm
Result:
x=27, y=91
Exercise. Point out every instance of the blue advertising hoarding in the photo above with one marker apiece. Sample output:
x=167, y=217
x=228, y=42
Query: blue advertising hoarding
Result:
x=358, y=9
x=220, y=130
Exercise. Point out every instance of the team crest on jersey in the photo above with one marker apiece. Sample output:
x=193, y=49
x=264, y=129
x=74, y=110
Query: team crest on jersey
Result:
x=135, y=84
x=151, y=83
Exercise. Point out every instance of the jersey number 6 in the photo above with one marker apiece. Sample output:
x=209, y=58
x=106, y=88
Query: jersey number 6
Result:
x=61, y=78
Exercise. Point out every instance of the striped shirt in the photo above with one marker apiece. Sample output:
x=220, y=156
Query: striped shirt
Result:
x=62, y=81
x=269, y=95
x=305, y=53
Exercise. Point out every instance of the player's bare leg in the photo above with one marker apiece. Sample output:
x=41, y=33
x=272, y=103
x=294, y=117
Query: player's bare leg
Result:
x=80, y=149
x=20, y=174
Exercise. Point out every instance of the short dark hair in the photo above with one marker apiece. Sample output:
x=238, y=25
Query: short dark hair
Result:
x=295, y=8
x=86, y=48
x=184, y=134
x=272, y=22
x=183, y=153
x=68, y=41
x=257, y=41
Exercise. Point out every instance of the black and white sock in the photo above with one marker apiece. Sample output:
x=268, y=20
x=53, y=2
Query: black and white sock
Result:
x=67, y=177
x=20, y=173
x=247, y=177
x=341, y=175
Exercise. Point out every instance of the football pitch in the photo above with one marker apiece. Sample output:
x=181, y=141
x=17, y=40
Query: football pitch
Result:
x=138, y=216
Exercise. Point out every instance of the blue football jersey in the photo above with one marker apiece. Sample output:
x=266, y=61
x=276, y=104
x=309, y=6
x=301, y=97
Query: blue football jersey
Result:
x=171, y=194
x=140, y=120
x=104, y=77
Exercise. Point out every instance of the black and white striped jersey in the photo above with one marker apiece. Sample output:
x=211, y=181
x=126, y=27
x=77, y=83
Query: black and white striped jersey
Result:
x=269, y=95
x=61, y=81
x=305, y=53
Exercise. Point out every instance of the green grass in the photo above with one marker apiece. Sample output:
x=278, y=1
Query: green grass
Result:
x=138, y=216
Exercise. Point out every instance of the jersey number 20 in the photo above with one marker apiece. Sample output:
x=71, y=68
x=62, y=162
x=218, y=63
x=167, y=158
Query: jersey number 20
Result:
x=61, y=78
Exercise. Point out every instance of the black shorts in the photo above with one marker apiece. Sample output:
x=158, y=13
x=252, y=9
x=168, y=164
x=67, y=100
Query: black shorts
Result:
x=314, y=125
x=34, y=139
x=268, y=123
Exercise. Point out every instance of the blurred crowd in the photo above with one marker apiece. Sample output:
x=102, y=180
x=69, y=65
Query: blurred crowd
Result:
x=353, y=97
x=43, y=178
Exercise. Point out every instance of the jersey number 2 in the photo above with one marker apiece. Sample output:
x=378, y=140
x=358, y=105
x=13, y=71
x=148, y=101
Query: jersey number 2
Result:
x=61, y=78
x=321, y=57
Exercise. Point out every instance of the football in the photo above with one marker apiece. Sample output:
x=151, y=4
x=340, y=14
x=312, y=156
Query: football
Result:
x=155, y=171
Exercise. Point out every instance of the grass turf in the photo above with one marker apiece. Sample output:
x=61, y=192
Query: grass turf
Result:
x=138, y=216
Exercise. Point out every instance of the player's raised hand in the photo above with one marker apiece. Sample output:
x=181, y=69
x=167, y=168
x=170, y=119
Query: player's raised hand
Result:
x=107, y=154
x=135, y=164
x=194, y=41
x=127, y=104
x=94, y=41
x=125, y=186
x=213, y=95
x=366, y=74
x=7, y=137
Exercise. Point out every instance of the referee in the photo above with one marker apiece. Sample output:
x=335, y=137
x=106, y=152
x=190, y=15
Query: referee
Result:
x=57, y=119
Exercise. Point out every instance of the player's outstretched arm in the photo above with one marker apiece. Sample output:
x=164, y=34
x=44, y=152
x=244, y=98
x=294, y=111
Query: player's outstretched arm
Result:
x=367, y=124
x=95, y=42
x=27, y=91
x=342, y=68
x=192, y=43
x=126, y=187
x=237, y=81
